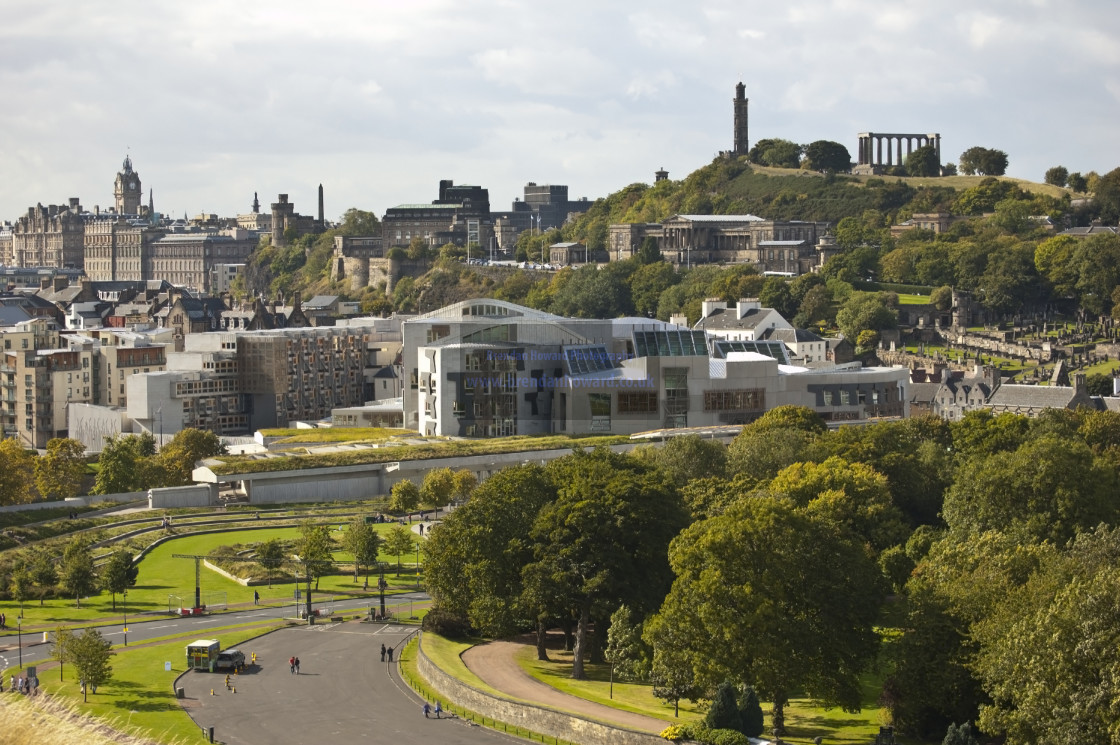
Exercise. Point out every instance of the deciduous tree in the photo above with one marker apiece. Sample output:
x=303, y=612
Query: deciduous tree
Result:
x=398, y=543
x=124, y=464
x=363, y=543
x=314, y=549
x=119, y=574
x=404, y=496
x=58, y=473
x=187, y=447
x=438, y=487
x=16, y=468
x=90, y=655
x=1057, y=176
x=923, y=162
x=77, y=575
x=825, y=155
x=270, y=555
x=44, y=573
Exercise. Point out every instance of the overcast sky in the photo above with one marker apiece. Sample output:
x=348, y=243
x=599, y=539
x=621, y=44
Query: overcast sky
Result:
x=378, y=100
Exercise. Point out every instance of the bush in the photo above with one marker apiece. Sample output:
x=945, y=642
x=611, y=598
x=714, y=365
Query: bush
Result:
x=673, y=733
x=447, y=624
x=724, y=712
x=726, y=737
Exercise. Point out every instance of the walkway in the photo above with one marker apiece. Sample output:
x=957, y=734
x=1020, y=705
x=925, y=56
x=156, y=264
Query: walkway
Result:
x=496, y=664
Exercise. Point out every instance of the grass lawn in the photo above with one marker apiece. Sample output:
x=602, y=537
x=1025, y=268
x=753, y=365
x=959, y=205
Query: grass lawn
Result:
x=908, y=299
x=446, y=654
x=161, y=575
x=140, y=697
x=337, y=434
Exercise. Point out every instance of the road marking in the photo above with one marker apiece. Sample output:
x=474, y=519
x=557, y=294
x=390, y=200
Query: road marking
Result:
x=165, y=626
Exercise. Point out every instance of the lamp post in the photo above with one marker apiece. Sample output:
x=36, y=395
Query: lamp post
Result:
x=381, y=585
x=418, y=565
x=124, y=609
x=19, y=636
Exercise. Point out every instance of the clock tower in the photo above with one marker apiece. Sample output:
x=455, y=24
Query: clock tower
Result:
x=126, y=190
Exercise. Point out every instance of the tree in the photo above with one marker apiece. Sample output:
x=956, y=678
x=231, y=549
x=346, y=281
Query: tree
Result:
x=464, y=484
x=865, y=311
x=438, y=487
x=825, y=155
x=363, y=542
x=1057, y=176
x=119, y=574
x=19, y=587
x=44, y=573
x=16, y=468
x=356, y=222
x=89, y=653
x=983, y=161
x=399, y=542
x=777, y=153
x=724, y=711
x=648, y=252
x=750, y=713
x=961, y=735
x=474, y=559
x=942, y=298
x=61, y=647
x=124, y=464
x=77, y=575
x=687, y=457
x=923, y=162
x=58, y=473
x=775, y=294
x=628, y=654
x=186, y=448
x=672, y=674
x=803, y=616
x=314, y=549
x=404, y=496
x=604, y=541
x=270, y=555
x=1077, y=183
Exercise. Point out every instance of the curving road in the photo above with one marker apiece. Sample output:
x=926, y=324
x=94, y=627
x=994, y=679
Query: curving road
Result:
x=344, y=693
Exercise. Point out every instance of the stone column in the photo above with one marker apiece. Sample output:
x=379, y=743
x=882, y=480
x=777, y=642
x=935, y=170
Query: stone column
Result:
x=878, y=150
x=937, y=146
x=899, y=152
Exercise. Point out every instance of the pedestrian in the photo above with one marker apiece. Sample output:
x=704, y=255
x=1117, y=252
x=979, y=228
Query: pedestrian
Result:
x=421, y=530
x=13, y=686
x=427, y=709
x=297, y=665
x=439, y=709
x=390, y=654
x=382, y=656
x=256, y=597
x=292, y=665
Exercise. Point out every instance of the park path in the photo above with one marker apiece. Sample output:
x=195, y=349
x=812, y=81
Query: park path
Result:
x=496, y=664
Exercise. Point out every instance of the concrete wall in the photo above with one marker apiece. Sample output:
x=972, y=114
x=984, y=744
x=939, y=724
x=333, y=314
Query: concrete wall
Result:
x=534, y=718
x=198, y=495
x=87, y=501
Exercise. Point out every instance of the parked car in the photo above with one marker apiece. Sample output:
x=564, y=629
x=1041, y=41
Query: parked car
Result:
x=230, y=659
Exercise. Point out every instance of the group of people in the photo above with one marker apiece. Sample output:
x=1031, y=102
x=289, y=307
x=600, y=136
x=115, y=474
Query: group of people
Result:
x=20, y=684
x=428, y=709
x=386, y=651
x=293, y=663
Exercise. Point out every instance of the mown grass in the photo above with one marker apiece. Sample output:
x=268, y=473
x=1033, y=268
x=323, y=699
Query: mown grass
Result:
x=447, y=654
x=336, y=434
x=909, y=299
x=449, y=449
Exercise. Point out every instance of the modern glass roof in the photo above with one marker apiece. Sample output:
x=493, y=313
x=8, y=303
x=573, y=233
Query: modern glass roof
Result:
x=775, y=349
x=582, y=360
x=670, y=343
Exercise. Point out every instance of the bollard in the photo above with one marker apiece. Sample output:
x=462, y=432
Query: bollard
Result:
x=211, y=691
x=211, y=734
x=235, y=690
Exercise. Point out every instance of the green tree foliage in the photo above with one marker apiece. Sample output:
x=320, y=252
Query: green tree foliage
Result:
x=90, y=654
x=983, y=161
x=77, y=575
x=750, y=713
x=648, y=252
x=1106, y=196
x=399, y=542
x=923, y=162
x=724, y=711
x=475, y=556
x=356, y=222
x=270, y=555
x=16, y=468
x=438, y=487
x=61, y=647
x=628, y=654
x=363, y=543
x=125, y=464
x=404, y=496
x=43, y=571
x=686, y=458
x=20, y=586
x=179, y=456
x=58, y=473
x=118, y=574
x=865, y=311
x=464, y=482
x=314, y=549
x=1057, y=176
x=942, y=298
x=825, y=155
x=803, y=615
x=961, y=735
x=1049, y=488
x=603, y=542
x=776, y=294
x=1077, y=183
x=776, y=152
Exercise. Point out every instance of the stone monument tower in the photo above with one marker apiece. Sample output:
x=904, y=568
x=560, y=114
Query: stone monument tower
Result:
x=126, y=190
x=742, y=144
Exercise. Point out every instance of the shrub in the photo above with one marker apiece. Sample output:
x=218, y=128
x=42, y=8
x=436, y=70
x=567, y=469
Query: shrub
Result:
x=445, y=623
x=726, y=737
x=724, y=712
x=673, y=733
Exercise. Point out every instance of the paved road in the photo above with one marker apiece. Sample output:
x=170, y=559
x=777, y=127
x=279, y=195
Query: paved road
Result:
x=143, y=628
x=344, y=693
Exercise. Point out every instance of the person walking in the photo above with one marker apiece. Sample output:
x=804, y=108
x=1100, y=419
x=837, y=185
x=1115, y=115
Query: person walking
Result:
x=382, y=652
x=297, y=665
x=439, y=709
x=292, y=665
x=390, y=654
x=256, y=597
x=427, y=709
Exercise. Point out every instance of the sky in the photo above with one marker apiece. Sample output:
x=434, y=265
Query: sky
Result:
x=380, y=99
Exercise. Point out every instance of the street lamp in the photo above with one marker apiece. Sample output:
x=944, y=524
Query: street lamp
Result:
x=19, y=635
x=381, y=586
x=418, y=565
x=124, y=609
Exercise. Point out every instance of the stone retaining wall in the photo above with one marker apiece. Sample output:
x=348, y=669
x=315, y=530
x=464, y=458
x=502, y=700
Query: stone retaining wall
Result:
x=527, y=716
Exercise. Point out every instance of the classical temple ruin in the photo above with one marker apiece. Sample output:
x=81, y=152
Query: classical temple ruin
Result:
x=878, y=150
